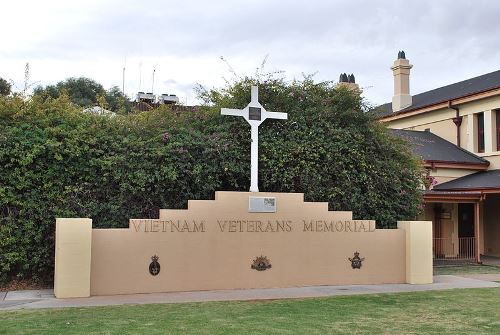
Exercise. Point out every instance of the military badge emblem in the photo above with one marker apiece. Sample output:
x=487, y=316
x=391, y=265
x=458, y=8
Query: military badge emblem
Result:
x=356, y=261
x=154, y=267
x=261, y=263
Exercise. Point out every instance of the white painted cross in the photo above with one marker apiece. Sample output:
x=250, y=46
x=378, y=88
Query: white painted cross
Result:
x=255, y=114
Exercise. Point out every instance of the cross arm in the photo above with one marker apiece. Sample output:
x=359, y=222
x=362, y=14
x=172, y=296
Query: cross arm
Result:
x=276, y=115
x=230, y=111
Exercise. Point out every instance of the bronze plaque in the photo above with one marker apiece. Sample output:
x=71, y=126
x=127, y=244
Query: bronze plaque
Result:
x=254, y=113
x=262, y=204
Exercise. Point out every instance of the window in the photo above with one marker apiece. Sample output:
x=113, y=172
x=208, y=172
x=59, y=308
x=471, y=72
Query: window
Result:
x=480, y=132
x=497, y=128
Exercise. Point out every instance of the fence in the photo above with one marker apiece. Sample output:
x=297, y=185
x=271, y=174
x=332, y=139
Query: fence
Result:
x=462, y=248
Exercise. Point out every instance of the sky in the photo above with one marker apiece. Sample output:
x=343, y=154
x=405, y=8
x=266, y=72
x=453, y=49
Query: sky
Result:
x=186, y=43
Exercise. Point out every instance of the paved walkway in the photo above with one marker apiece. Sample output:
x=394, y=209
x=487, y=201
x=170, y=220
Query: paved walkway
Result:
x=490, y=260
x=487, y=276
x=45, y=298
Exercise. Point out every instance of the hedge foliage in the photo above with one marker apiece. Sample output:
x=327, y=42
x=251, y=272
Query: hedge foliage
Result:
x=60, y=162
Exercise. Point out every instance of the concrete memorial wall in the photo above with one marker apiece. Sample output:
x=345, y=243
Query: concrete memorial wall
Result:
x=239, y=240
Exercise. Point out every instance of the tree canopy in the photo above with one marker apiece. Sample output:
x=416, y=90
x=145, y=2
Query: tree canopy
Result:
x=5, y=87
x=59, y=162
x=86, y=92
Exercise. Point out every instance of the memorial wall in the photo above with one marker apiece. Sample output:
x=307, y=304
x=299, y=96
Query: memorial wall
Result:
x=239, y=240
x=227, y=244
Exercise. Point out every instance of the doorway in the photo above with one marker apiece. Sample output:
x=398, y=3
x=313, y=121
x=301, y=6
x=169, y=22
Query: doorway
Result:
x=466, y=237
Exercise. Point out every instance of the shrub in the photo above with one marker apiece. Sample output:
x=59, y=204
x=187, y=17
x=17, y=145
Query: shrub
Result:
x=59, y=162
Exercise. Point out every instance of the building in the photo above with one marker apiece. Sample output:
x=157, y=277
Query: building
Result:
x=455, y=129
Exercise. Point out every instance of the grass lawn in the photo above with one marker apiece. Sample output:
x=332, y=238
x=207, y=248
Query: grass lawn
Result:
x=471, y=311
x=466, y=269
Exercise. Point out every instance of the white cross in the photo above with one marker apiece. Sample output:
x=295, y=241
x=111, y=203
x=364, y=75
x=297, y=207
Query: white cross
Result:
x=255, y=114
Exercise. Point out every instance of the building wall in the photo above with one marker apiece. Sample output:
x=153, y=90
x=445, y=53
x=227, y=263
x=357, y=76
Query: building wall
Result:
x=427, y=213
x=491, y=227
x=489, y=107
x=443, y=175
x=440, y=122
x=481, y=229
x=493, y=158
x=448, y=227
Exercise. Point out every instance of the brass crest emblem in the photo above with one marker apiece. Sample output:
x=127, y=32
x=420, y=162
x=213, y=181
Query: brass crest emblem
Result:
x=154, y=267
x=261, y=263
x=356, y=261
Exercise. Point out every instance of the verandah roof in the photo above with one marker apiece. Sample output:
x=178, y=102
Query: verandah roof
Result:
x=479, y=181
x=434, y=149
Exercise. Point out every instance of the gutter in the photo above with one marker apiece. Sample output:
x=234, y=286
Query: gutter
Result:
x=482, y=189
x=454, y=196
x=433, y=164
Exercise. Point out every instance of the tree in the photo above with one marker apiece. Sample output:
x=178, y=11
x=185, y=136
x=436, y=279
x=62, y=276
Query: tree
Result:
x=86, y=92
x=117, y=101
x=82, y=91
x=5, y=87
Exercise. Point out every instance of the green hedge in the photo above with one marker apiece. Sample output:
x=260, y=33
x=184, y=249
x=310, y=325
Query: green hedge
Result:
x=60, y=162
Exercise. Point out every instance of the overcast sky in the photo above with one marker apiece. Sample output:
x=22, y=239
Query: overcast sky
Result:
x=446, y=41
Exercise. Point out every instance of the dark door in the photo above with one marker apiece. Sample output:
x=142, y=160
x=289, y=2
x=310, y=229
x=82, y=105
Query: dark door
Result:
x=466, y=246
x=465, y=220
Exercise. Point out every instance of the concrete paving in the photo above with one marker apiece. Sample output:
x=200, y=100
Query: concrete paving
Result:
x=490, y=260
x=35, y=299
x=487, y=277
x=29, y=295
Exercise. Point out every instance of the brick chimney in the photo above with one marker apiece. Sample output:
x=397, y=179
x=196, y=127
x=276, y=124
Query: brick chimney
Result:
x=401, y=71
